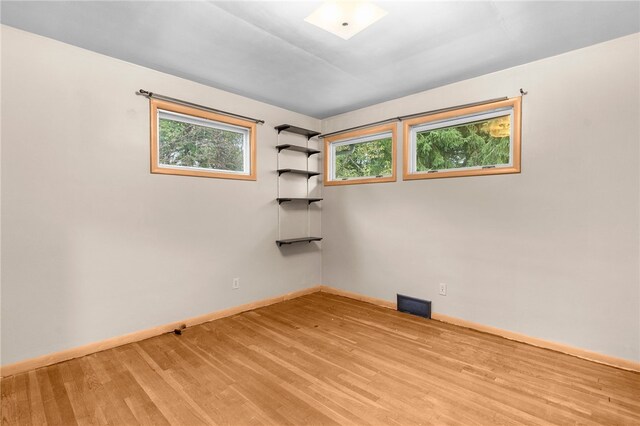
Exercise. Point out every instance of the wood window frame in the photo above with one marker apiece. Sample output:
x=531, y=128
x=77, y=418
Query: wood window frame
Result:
x=370, y=131
x=157, y=105
x=514, y=167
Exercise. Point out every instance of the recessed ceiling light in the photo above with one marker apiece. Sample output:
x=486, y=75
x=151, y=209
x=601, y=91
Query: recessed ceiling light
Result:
x=345, y=18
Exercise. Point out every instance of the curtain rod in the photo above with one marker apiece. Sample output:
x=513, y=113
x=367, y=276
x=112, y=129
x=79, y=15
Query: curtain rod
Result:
x=388, y=120
x=418, y=114
x=150, y=95
x=438, y=111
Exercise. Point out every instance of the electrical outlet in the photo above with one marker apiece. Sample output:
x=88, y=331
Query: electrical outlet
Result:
x=236, y=283
x=443, y=289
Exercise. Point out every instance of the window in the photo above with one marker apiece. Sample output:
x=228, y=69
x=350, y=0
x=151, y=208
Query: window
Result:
x=192, y=142
x=361, y=156
x=478, y=140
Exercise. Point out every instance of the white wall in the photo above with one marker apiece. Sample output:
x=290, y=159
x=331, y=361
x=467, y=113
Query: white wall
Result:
x=552, y=252
x=93, y=245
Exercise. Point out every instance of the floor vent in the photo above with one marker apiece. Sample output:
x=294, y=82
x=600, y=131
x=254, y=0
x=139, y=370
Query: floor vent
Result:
x=413, y=306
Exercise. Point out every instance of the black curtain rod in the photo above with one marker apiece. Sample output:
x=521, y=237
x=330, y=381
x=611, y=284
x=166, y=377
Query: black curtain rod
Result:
x=388, y=120
x=148, y=94
x=418, y=114
x=438, y=111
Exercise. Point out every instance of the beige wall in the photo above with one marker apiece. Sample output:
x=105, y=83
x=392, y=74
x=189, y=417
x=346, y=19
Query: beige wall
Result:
x=551, y=252
x=93, y=245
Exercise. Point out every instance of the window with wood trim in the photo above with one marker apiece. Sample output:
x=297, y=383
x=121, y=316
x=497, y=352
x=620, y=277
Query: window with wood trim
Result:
x=478, y=140
x=192, y=142
x=361, y=156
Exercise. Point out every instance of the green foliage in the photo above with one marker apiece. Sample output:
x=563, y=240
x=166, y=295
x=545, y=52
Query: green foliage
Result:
x=189, y=145
x=364, y=159
x=483, y=143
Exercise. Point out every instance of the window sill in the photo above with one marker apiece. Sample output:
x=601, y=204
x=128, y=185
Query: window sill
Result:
x=461, y=173
x=360, y=181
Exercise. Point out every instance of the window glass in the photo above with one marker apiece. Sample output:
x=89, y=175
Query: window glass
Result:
x=204, y=144
x=361, y=156
x=471, y=141
x=191, y=142
x=369, y=158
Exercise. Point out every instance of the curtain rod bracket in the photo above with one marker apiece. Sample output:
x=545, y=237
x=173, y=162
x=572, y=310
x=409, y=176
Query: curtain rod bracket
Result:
x=522, y=92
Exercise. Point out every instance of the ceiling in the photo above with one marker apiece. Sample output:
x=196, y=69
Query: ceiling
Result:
x=266, y=51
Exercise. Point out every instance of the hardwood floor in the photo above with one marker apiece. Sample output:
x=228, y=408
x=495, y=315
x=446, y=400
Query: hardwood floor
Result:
x=323, y=359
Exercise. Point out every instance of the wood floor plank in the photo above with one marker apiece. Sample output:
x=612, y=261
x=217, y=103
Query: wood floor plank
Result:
x=172, y=406
x=53, y=414
x=23, y=406
x=36, y=405
x=8, y=400
x=323, y=359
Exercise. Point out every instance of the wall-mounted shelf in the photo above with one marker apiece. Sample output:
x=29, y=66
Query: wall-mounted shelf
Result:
x=306, y=173
x=308, y=134
x=298, y=148
x=297, y=240
x=309, y=200
x=297, y=130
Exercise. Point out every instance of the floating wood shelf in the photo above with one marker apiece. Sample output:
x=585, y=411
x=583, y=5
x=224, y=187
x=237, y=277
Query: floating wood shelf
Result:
x=309, y=200
x=297, y=240
x=306, y=173
x=298, y=148
x=297, y=130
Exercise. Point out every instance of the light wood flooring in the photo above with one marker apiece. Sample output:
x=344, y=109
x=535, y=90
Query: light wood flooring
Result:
x=324, y=359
